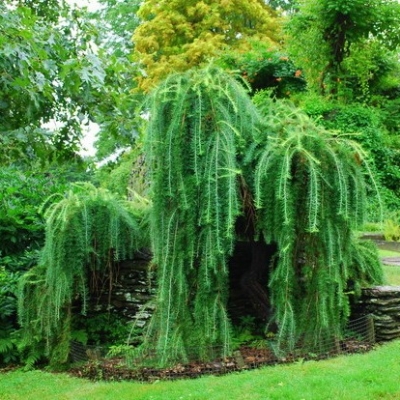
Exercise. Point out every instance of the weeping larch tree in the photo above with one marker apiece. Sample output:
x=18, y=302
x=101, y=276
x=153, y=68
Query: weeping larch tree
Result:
x=200, y=122
x=310, y=195
x=88, y=230
x=222, y=168
x=215, y=160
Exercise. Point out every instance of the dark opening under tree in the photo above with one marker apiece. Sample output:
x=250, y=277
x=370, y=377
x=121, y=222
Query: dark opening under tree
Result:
x=210, y=154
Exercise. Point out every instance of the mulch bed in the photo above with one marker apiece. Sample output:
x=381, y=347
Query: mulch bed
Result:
x=8, y=368
x=114, y=369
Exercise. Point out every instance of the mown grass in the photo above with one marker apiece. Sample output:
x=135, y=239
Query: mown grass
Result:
x=388, y=253
x=370, y=376
x=391, y=273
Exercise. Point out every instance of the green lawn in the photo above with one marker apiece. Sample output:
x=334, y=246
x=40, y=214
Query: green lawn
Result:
x=391, y=273
x=388, y=253
x=374, y=375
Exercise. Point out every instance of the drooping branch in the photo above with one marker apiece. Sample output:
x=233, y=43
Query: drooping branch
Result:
x=310, y=194
x=199, y=124
x=83, y=230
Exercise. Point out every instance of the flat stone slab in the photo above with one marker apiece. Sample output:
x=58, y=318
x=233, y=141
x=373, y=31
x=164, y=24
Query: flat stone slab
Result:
x=382, y=291
x=394, y=261
x=375, y=236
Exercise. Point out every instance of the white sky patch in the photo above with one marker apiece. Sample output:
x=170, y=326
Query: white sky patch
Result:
x=89, y=137
x=92, y=5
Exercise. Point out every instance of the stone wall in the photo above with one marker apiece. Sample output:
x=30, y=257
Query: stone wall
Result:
x=383, y=304
x=133, y=291
x=133, y=294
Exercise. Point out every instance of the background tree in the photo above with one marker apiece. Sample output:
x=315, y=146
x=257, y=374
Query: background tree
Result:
x=47, y=9
x=116, y=21
x=287, y=6
x=50, y=73
x=348, y=51
x=324, y=35
x=176, y=35
x=265, y=67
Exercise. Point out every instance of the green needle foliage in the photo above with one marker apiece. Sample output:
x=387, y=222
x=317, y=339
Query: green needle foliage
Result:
x=87, y=232
x=310, y=196
x=212, y=159
x=200, y=122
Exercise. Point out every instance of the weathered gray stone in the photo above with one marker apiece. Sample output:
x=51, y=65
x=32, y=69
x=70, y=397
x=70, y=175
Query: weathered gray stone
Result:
x=390, y=332
x=382, y=291
x=133, y=289
x=382, y=318
x=383, y=303
x=390, y=310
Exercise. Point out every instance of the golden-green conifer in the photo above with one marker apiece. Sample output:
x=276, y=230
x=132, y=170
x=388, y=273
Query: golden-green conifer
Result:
x=177, y=35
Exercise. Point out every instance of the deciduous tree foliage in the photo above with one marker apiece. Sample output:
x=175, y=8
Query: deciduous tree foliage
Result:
x=179, y=34
x=265, y=67
x=116, y=21
x=49, y=73
x=323, y=34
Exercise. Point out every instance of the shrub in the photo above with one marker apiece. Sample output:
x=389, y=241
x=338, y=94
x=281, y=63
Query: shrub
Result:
x=87, y=232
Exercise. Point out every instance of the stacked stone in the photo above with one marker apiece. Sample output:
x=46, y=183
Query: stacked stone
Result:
x=383, y=303
x=133, y=292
